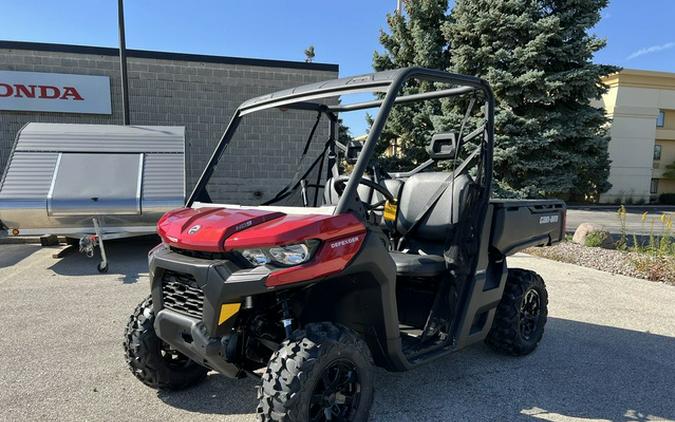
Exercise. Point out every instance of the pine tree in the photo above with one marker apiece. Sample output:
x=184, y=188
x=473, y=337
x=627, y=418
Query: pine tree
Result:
x=415, y=38
x=537, y=56
x=344, y=135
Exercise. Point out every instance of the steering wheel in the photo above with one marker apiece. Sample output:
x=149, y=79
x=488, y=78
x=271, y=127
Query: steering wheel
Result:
x=341, y=182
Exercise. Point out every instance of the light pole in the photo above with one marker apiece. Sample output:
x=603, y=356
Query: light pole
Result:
x=123, y=63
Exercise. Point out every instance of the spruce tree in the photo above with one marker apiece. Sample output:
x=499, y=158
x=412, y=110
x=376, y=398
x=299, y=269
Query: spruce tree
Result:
x=415, y=38
x=537, y=56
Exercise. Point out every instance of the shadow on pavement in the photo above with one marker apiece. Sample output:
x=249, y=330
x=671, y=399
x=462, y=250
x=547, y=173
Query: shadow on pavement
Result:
x=13, y=254
x=218, y=395
x=127, y=258
x=580, y=370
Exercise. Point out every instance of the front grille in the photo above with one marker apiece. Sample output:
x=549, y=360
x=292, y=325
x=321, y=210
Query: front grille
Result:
x=181, y=294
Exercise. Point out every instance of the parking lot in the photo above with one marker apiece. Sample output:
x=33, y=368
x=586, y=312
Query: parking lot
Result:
x=608, y=353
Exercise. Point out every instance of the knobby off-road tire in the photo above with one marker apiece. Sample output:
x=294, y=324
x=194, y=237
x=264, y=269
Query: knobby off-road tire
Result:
x=295, y=384
x=151, y=360
x=518, y=326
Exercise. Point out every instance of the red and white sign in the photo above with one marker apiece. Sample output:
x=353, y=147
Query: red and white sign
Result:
x=55, y=92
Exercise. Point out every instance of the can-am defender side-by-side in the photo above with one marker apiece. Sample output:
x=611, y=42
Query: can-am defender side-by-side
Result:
x=370, y=267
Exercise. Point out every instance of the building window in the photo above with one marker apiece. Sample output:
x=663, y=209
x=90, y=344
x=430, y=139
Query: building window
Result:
x=654, y=187
x=657, y=152
x=660, y=118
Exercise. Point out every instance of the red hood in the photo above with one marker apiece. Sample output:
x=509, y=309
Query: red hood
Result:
x=205, y=229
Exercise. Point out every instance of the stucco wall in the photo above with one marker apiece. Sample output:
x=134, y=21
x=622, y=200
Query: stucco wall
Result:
x=633, y=102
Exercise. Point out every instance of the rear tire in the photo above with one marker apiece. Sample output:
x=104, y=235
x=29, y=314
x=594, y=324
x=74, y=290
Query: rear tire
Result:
x=521, y=315
x=321, y=368
x=151, y=360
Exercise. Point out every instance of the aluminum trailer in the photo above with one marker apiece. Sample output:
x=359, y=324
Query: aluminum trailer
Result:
x=92, y=182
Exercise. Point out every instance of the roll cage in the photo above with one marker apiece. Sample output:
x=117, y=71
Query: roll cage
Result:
x=389, y=83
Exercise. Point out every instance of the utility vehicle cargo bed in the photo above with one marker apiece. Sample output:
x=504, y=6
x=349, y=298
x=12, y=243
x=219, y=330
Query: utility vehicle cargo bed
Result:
x=518, y=224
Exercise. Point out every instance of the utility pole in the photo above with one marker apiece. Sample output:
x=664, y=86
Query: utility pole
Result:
x=123, y=63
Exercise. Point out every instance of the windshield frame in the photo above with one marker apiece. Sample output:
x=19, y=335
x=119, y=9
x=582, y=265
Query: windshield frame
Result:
x=301, y=98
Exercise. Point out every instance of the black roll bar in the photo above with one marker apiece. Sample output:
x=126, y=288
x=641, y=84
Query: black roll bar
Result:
x=299, y=100
x=348, y=199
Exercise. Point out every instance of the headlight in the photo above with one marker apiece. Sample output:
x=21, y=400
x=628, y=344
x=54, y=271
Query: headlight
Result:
x=286, y=256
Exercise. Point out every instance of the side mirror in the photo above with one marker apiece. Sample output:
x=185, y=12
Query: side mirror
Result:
x=443, y=146
x=352, y=153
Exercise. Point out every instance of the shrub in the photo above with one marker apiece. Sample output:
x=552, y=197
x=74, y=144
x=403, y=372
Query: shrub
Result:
x=654, y=268
x=595, y=239
x=622, y=244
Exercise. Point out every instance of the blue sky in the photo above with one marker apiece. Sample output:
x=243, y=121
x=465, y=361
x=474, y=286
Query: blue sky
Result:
x=640, y=34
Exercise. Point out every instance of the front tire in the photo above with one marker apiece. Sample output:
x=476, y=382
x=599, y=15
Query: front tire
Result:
x=521, y=315
x=322, y=372
x=151, y=360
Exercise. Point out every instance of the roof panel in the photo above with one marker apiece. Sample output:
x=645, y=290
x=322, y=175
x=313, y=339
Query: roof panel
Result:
x=341, y=84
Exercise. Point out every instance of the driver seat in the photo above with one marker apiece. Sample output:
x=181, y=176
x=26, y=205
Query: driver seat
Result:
x=421, y=254
x=366, y=194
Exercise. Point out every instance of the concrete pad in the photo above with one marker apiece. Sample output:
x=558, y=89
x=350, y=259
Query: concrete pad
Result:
x=608, y=353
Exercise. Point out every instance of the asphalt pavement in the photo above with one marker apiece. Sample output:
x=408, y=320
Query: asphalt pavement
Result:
x=608, y=353
x=608, y=218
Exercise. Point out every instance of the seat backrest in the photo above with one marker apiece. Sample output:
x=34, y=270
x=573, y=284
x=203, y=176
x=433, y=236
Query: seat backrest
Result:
x=331, y=197
x=438, y=221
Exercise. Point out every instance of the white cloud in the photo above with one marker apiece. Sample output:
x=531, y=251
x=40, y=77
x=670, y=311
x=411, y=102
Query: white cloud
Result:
x=650, y=50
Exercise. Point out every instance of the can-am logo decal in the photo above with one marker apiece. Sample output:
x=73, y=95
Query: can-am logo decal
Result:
x=344, y=242
x=548, y=219
x=194, y=229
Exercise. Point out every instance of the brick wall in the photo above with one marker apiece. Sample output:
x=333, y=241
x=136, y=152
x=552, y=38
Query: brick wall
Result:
x=201, y=96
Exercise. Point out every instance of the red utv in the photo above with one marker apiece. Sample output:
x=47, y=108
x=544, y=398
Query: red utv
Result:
x=367, y=268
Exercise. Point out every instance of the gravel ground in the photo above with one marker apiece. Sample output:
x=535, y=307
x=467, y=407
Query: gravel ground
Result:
x=612, y=261
x=608, y=353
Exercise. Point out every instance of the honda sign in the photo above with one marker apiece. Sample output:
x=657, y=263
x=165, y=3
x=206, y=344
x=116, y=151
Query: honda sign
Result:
x=56, y=92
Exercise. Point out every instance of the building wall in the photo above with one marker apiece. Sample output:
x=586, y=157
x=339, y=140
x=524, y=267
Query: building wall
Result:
x=660, y=166
x=177, y=89
x=633, y=103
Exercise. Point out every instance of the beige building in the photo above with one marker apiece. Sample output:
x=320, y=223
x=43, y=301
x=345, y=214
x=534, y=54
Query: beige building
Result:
x=641, y=105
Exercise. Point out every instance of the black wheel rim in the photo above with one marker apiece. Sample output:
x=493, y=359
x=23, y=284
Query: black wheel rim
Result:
x=336, y=394
x=530, y=311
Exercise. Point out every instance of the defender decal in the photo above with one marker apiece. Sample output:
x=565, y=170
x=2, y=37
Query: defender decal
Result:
x=344, y=242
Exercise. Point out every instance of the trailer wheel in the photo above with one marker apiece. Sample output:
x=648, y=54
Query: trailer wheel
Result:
x=323, y=372
x=151, y=360
x=102, y=268
x=521, y=315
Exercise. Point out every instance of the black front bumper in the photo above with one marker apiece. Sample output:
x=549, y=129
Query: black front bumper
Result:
x=187, y=336
x=199, y=335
